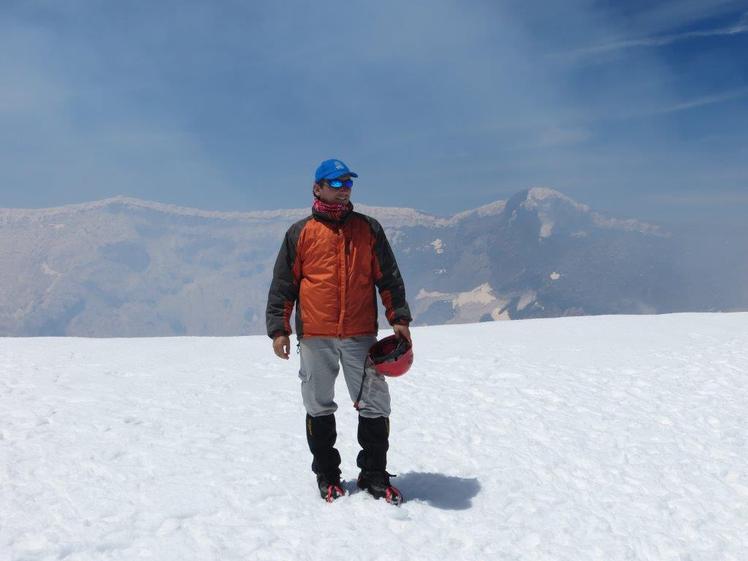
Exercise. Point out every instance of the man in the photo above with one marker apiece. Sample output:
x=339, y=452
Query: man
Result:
x=329, y=266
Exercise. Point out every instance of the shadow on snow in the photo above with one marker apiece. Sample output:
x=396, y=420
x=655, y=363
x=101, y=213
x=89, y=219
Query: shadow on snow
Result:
x=440, y=491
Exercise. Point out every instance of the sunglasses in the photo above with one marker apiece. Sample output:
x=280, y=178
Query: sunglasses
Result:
x=338, y=184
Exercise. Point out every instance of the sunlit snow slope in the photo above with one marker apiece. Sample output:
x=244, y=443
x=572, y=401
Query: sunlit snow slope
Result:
x=605, y=438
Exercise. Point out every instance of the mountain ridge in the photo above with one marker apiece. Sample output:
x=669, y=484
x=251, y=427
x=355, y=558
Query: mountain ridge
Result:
x=535, y=197
x=127, y=267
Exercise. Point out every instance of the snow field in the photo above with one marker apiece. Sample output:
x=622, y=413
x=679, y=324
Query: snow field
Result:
x=600, y=438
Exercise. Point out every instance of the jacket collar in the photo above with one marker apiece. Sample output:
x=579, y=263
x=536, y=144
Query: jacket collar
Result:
x=319, y=215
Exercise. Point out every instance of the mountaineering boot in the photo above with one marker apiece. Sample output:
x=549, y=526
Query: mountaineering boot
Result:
x=321, y=435
x=377, y=483
x=329, y=488
x=373, y=436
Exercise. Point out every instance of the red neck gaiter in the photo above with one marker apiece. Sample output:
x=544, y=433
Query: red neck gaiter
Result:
x=334, y=211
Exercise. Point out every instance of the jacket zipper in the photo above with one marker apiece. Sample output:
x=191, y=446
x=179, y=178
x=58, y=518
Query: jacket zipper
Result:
x=342, y=276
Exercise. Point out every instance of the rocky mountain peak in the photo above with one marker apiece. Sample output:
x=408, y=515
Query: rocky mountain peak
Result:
x=123, y=266
x=544, y=197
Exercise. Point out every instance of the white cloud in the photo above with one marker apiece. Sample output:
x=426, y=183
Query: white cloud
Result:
x=739, y=27
x=706, y=100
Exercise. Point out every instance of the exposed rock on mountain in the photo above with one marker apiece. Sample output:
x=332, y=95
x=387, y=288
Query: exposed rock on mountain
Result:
x=126, y=267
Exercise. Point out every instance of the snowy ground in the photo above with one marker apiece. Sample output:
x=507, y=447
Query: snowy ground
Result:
x=605, y=438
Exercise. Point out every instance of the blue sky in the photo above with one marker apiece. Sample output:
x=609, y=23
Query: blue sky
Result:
x=635, y=108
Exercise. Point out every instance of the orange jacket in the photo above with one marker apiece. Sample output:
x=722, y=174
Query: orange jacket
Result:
x=329, y=270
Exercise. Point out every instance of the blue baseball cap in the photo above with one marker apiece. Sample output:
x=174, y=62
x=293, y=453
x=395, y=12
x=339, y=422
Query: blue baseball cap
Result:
x=332, y=169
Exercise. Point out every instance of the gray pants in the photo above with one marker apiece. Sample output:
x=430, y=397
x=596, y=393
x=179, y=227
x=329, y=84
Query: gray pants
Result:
x=321, y=358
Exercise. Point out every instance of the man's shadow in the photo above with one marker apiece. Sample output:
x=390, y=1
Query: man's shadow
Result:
x=440, y=491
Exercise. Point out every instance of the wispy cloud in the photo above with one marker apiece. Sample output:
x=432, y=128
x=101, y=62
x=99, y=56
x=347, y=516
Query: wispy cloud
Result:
x=741, y=26
x=706, y=100
x=189, y=115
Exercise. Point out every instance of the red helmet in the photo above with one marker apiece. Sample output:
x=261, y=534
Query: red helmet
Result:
x=392, y=356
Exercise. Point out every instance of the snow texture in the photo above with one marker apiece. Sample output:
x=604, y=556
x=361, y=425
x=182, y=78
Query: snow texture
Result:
x=596, y=438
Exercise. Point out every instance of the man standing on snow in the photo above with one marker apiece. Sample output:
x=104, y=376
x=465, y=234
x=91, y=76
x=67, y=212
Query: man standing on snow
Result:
x=329, y=266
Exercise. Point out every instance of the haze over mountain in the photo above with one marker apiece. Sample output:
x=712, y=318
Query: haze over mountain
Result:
x=128, y=267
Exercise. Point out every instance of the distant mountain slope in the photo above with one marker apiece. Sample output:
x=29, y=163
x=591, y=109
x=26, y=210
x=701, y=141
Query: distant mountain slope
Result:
x=127, y=267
